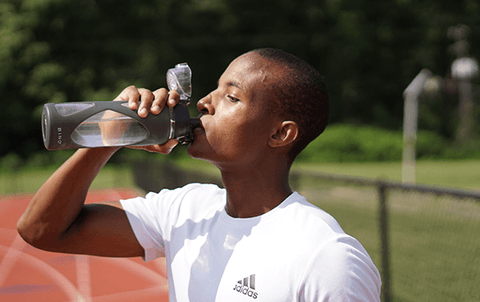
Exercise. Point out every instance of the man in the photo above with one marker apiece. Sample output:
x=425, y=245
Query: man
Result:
x=254, y=240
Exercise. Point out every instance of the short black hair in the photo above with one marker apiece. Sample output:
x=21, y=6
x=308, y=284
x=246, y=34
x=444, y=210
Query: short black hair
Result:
x=301, y=96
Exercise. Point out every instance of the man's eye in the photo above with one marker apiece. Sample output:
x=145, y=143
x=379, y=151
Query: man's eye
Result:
x=232, y=99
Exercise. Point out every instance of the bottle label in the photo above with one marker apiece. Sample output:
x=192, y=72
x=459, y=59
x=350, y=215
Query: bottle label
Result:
x=59, y=135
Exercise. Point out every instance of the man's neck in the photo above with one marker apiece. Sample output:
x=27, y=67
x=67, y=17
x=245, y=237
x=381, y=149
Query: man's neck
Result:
x=254, y=192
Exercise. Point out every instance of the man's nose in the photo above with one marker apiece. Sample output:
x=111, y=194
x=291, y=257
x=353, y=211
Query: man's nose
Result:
x=205, y=106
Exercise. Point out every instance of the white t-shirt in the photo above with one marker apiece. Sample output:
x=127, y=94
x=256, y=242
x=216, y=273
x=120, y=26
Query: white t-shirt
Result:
x=295, y=252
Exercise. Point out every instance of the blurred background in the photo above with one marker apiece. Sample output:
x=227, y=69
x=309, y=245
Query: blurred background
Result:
x=369, y=52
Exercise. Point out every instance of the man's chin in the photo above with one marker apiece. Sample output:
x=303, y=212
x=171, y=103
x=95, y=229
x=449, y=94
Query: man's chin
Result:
x=197, y=151
x=193, y=151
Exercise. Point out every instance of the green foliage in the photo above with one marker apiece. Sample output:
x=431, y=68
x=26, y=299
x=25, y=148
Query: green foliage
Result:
x=11, y=163
x=352, y=143
x=368, y=52
x=340, y=143
x=430, y=145
x=471, y=150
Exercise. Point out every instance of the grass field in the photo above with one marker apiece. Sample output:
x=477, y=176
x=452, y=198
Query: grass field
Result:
x=433, y=240
x=29, y=181
x=461, y=174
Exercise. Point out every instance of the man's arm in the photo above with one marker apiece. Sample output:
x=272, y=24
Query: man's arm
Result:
x=57, y=218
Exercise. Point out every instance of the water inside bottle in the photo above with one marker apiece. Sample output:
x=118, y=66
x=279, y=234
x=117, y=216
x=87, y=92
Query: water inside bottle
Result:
x=109, y=128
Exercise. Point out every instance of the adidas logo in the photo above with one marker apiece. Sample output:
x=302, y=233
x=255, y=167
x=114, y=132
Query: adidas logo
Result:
x=247, y=287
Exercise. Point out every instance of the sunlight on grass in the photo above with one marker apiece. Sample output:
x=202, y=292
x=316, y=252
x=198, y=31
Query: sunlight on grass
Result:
x=461, y=174
x=30, y=181
x=433, y=239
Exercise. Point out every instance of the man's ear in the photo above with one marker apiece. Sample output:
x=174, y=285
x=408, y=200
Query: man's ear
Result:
x=284, y=134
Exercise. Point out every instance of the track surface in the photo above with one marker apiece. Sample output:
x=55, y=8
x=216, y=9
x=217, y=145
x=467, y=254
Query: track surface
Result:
x=29, y=274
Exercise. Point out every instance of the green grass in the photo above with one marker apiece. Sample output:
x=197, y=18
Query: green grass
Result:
x=435, y=247
x=29, y=181
x=461, y=174
x=433, y=240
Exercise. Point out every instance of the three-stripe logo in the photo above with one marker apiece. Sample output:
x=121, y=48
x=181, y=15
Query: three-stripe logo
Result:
x=246, y=286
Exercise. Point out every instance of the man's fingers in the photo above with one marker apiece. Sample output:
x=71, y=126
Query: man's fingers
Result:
x=160, y=97
x=173, y=98
x=146, y=99
x=130, y=94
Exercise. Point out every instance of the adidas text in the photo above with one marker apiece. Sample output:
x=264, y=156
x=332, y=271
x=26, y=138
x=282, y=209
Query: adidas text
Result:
x=246, y=291
x=246, y=286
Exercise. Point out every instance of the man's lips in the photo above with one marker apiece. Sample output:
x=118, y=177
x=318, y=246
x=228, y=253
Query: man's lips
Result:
x=199, y=128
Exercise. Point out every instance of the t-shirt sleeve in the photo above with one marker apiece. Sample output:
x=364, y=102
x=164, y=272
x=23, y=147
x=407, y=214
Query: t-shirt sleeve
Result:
x=142, y=213
x=152, y=218
x=345, y=271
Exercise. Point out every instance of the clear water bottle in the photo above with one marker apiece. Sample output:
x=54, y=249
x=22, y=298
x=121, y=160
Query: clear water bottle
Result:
x=111, y=124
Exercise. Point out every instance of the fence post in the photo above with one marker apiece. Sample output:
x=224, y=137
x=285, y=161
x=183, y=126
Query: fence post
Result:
x=384, y=242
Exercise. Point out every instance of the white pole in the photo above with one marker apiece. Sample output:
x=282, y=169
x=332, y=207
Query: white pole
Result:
x=410, y=124
x=464, y=70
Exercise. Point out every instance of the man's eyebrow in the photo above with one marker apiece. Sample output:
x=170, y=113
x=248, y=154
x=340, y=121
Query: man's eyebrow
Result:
x=232, y=83
x=235, y=84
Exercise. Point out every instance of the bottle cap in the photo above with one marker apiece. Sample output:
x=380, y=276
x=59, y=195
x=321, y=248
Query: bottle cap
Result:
x=179, y=79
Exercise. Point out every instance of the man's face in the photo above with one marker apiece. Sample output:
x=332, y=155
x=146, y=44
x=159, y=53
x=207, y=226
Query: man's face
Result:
x=236, y=127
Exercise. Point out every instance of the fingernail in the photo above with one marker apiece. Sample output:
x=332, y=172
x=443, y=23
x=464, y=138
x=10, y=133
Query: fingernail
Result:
x=156, y=108
x=143, y=111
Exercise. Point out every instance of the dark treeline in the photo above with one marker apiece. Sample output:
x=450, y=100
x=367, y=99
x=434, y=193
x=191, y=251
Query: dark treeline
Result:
x=367, y=50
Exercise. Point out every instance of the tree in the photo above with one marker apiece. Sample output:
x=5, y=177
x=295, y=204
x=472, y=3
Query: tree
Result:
x=367, y=51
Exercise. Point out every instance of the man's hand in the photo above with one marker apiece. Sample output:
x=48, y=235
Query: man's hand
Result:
x=57, y=219
x=145, y=102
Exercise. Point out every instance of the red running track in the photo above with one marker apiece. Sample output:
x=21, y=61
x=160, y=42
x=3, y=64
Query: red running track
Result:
x=29, y=274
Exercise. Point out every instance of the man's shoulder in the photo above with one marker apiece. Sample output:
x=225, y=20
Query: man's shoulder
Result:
x=192, y=200
x=333, y=256
x=193, y=191
x=308, y=214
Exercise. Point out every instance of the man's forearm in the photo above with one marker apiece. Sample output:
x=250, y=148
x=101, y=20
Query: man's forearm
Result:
x=60, y=199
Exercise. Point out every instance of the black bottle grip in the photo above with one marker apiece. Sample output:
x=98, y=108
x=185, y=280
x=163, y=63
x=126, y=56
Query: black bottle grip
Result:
x=59, y=122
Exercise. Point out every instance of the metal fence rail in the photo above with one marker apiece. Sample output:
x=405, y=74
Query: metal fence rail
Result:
x=407, y=218
x=431, y=231
x=391, y=201
x=383, y=189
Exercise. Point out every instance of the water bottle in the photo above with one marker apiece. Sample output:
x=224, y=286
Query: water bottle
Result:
x=110, y=124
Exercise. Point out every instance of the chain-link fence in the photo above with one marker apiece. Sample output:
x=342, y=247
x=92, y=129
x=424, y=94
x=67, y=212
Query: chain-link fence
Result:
x=424, y=240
